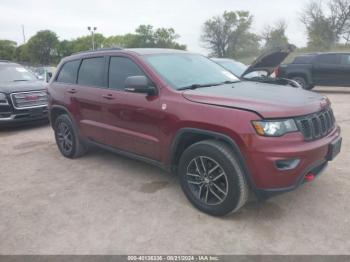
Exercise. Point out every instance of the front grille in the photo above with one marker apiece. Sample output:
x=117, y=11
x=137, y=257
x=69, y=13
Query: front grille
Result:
x=316, y=125
x=32, y=99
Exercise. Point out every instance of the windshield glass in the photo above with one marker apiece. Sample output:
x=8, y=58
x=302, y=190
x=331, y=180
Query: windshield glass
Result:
x=182, y=70
x=13, y=73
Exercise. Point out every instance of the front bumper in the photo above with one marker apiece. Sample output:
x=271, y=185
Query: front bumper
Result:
x=263, y=152
x=23, y=116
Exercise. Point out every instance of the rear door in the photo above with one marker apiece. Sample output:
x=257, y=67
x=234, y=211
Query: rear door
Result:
x=345, y=69
x=325, y=69
x=131, y=120
x=86, y=97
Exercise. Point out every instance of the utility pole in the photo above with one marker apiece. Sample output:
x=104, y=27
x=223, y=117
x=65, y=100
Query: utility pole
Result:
x=92, y=30
x=24, y=35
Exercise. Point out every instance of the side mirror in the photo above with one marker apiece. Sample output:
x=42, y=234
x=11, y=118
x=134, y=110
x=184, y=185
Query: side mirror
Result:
x=139, y=84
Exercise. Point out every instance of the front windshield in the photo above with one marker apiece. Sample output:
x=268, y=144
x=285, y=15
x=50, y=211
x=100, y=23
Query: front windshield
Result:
x=183, y=70
x=14, y=73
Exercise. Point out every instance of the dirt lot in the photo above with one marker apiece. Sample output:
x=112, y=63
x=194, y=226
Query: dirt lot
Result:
x=107, y=204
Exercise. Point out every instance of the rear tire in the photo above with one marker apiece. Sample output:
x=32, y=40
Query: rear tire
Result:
x=67, y=138
x=212, y=178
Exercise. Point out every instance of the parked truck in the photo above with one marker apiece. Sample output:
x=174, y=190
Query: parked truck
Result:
x=322, y=69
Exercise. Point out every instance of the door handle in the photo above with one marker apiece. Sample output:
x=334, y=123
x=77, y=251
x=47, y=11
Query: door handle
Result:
x=108, y=96
x=72, y=91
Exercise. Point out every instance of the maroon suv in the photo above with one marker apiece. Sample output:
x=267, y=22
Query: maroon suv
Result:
x=186, y=114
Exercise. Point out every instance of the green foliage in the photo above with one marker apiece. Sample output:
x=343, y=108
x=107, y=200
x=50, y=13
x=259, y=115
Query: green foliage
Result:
x=326, y=26
x=146, y=37
x=7, y=49
x=320, y=35
x=84, y=43
x=65, y=48
x=42, y=47
x=45, y=48
x=228, y=35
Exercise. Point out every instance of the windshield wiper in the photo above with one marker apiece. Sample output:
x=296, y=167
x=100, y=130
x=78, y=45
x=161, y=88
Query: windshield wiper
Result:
x=195, y=86
x=19, y=80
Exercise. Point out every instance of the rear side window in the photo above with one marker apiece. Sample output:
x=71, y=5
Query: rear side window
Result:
x=303, y=59
x=68, y=73
x=91, y=72
x=345, y=59
x=328, y=59
x=120, y=68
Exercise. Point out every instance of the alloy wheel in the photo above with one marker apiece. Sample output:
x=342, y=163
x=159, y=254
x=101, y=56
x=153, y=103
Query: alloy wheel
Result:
x=65, y=137
x=207, y=180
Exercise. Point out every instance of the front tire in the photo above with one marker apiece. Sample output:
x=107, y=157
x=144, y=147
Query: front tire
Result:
x=67, y=138
x=212, y=178
x=303, y=82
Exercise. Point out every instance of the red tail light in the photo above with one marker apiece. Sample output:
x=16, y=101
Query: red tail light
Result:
x=309, y=177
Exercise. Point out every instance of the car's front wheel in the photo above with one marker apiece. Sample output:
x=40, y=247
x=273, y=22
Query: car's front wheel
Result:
x=67, y=138
x=303, y=82
x=212, y=178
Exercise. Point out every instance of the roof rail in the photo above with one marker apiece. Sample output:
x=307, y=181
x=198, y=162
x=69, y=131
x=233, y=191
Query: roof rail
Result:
x=4, y=60
x=99, y=50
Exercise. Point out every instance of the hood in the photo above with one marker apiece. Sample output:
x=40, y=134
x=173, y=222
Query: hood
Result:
x=270, y=60
x=21, y=86
x=267, y=100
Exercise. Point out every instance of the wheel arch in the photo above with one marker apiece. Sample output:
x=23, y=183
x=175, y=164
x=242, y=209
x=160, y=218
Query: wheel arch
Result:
x=57, y=110
x=304, y=75
x=185, y=137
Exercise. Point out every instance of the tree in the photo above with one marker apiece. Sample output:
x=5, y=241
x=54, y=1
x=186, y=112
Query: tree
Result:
x=326, y=27
x=7, y=49
x=165, y=38
x=126, y=41
x=275, y=36
x=21, y=54
x=84, y=43
x=227, y=35
x=65, y=48
x=146, y=37
x=42, y=47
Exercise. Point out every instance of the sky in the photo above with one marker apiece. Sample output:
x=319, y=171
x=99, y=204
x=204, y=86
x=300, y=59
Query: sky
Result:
x=70, y=18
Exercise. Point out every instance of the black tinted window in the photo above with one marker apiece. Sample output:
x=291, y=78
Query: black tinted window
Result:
x=91, y=72
x=303, y=59
x=120, y=69
x=328, y=59
x=68, y=73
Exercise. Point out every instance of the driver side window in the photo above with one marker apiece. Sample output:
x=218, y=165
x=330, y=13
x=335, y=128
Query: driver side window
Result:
x=120, y=68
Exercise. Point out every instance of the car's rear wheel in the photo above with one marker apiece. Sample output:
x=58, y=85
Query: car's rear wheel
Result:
x=67, y=138
x=212, y=178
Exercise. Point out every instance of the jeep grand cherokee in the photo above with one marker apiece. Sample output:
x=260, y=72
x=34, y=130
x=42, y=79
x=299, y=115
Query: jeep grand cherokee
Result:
x=183, y=112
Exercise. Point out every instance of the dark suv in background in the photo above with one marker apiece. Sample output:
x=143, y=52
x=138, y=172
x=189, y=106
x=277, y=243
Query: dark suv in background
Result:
x=185, y=113
x=23, y=98
x=322, y=69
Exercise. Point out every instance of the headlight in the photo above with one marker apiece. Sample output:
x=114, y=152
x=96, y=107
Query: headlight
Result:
x=275, y=127
x=3, y=99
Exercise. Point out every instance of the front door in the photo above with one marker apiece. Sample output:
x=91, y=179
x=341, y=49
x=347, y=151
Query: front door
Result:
x=131, y=120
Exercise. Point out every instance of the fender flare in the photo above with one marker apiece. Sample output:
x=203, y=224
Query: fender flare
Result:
x=215, y=135
x=61, y=108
